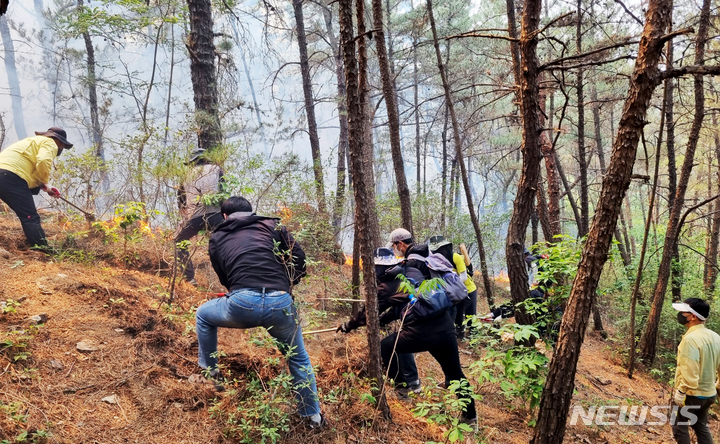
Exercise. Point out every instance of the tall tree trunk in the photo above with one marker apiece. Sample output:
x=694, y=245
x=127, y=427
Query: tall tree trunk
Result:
x=582, y=156
x=416, y=95
x=643, y=249
x=712, y=253
x=542, y=212
x=459, y=158
x=560, y=383
x=393, y=116
x=339, y=205
x=201, y=50
x=310, y=106
x=444, y=201
x=672, y=170
x=361, y=155
x=13, y=81
x=553, y=177
x=531, y=157
x=673, y=229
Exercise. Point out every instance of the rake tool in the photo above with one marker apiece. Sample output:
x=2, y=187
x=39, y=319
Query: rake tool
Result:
x=88, y=216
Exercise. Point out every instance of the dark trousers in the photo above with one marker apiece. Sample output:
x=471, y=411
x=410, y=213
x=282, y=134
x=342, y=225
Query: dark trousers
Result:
x=15, y=193
x=408, y=367
x=442, y=346
x=467, y=308
x=702, y=431
x=207, y=222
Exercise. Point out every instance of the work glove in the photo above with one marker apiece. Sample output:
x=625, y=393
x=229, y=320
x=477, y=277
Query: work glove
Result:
x=348, y=326
x=679, y=398
x=51, y=191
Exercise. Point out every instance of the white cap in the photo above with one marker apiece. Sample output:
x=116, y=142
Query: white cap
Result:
x=685, y=308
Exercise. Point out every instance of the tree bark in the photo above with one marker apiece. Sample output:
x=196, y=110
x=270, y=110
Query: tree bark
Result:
x=361, y=156
x=638, y=276
x=459, y=158
x=582, y=155
x=393, y=116
x=673, y=229
x=339, y=205
x=13, y=80
x=712, y=253
x=310, y=106
x=201, y=50
x=560, y=383
x=553, y=177
x=531, y=157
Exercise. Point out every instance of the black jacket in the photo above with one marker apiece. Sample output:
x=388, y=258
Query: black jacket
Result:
x=250, y=251
x=416, y=328
x=422, y=250
x=387, y=287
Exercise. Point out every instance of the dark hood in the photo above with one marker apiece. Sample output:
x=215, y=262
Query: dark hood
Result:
x=239, y=220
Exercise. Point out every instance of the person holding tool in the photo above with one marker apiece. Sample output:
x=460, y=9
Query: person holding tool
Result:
x=24, y=171
x=386, y=273
x=435, y=335
x=258, y=261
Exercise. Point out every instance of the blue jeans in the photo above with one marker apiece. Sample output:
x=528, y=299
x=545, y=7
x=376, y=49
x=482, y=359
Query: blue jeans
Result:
x=274, y=310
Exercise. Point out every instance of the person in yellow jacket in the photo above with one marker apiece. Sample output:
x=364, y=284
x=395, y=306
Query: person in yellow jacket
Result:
x=698, y=362
x=24, y=171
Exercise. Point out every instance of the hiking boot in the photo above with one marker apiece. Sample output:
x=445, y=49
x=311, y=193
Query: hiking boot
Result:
x=194, y=283
x=214, y=378
x=469, y=421
x=415, y=386
x=315, y=422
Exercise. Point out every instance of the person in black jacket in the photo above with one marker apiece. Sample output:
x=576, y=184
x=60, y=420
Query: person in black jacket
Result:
x=435, y=335
x=258, y=261
x=386, y=274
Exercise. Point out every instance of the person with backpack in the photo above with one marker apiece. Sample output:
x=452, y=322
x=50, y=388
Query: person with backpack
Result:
x=468, y=307
x=425, y=327
x=386, y=274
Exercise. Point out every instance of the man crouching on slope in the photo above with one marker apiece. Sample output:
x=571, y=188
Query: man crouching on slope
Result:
x=257, y=259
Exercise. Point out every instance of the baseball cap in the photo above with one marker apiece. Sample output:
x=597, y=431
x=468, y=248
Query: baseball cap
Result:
x=399, y=234
x=696, y=306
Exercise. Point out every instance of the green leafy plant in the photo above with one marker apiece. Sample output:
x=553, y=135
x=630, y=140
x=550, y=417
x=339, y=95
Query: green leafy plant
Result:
x=10, y=306
x=13, y=425
x=446, y=410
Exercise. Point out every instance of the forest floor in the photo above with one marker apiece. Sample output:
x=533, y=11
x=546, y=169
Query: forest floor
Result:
x=131, y=382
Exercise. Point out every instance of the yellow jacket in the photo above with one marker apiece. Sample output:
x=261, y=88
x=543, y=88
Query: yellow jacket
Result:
x=698, y=361
x=460, y=267
x=31, y=159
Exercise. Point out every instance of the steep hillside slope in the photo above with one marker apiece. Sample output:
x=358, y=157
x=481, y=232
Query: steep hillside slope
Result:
x=107, y=360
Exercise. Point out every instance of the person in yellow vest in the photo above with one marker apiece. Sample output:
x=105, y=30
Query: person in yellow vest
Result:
x=24, y=171
x=696, y=375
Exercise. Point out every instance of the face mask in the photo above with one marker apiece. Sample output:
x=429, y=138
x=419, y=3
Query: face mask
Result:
x=681, y=318
x=397, y=252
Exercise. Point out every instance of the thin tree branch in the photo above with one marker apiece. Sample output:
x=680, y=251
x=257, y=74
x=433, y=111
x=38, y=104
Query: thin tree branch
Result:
x=630, y=12
x=589, y=53
x=487, y=36
x=710, y=261
x=692, y=69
